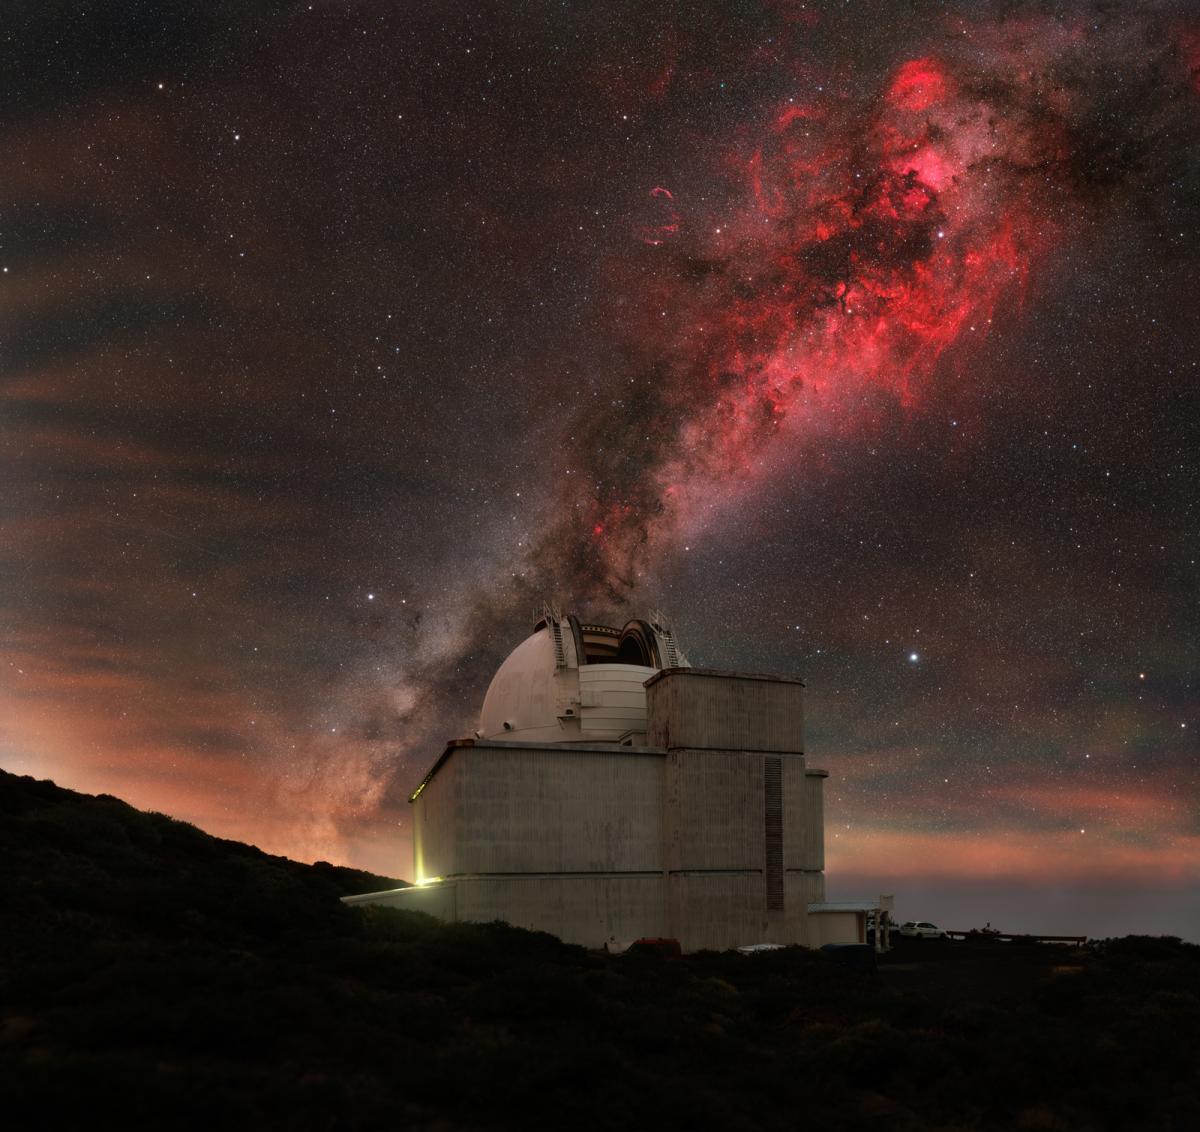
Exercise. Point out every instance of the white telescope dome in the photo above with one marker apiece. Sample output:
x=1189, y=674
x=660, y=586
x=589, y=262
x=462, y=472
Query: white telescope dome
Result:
x=578, y=682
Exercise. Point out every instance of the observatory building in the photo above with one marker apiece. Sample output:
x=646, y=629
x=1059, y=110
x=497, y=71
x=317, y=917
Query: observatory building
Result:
x=614, y=792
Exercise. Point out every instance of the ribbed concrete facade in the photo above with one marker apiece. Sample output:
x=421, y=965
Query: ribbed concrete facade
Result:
x=506, y=808
x=734, y=711
x=710, y=834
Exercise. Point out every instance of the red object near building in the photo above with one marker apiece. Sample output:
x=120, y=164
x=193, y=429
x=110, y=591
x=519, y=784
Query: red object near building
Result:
x=667, y=948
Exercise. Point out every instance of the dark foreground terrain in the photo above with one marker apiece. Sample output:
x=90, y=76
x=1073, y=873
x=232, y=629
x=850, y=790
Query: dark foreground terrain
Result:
x=152, y=976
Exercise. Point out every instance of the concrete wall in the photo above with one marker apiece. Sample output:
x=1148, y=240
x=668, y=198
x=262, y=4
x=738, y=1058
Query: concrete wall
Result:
x=714, y=822
x=436, y=822
x=597, y=841
x=702, y=910
x=720, y=911
x=802, y=828
x=704, y=708
x=837, y=927
x=496, y=808
x=587, y=910
x=713, y=816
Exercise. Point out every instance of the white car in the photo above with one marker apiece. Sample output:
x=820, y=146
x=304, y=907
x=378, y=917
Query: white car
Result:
x=922, y=929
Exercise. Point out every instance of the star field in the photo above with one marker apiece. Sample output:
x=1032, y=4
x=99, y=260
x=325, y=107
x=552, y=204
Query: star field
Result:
x=860, y=339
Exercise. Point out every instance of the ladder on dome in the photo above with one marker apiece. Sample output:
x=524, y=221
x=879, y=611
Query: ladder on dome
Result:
x=659, y=624
x=553, y=619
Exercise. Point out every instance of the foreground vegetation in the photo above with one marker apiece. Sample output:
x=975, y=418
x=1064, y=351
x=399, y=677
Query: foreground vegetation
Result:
x=153, y=976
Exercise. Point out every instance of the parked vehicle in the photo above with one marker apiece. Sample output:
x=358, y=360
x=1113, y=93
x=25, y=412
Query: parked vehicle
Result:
x=922, y=929
x=665, y=948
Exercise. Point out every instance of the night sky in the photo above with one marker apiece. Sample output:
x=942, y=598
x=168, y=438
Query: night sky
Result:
x=862, y=339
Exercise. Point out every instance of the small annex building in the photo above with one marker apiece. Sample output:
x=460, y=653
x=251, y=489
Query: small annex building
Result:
x=614, y=792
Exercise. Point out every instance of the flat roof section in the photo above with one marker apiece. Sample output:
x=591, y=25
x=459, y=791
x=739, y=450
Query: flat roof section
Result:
x=845, y=906
x=500, y=744
x=725, y=674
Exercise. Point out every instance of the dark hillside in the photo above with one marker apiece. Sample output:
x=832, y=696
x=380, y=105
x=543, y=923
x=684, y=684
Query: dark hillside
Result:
x=93, y=868
x=152, y=976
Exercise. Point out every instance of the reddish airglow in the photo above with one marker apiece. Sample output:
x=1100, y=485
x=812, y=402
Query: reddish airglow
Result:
x=1132, y=828
x=993, y=852
x=309, y=808
x=1097, y=806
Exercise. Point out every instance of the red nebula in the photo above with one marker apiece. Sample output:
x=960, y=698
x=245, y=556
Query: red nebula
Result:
x=1189, y=45
x=868, y=238
x=664, y=224
x=865, y=247
x=792, y=113
x=918, y=85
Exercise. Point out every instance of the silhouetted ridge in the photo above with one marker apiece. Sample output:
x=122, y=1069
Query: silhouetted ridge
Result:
x=152, y=976
x=71, y=857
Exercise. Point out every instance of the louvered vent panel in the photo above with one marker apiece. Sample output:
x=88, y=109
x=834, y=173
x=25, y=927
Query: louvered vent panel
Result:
x=773, y=821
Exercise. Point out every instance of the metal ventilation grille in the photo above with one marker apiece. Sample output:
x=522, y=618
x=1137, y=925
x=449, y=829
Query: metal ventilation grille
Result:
x=773, y=822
